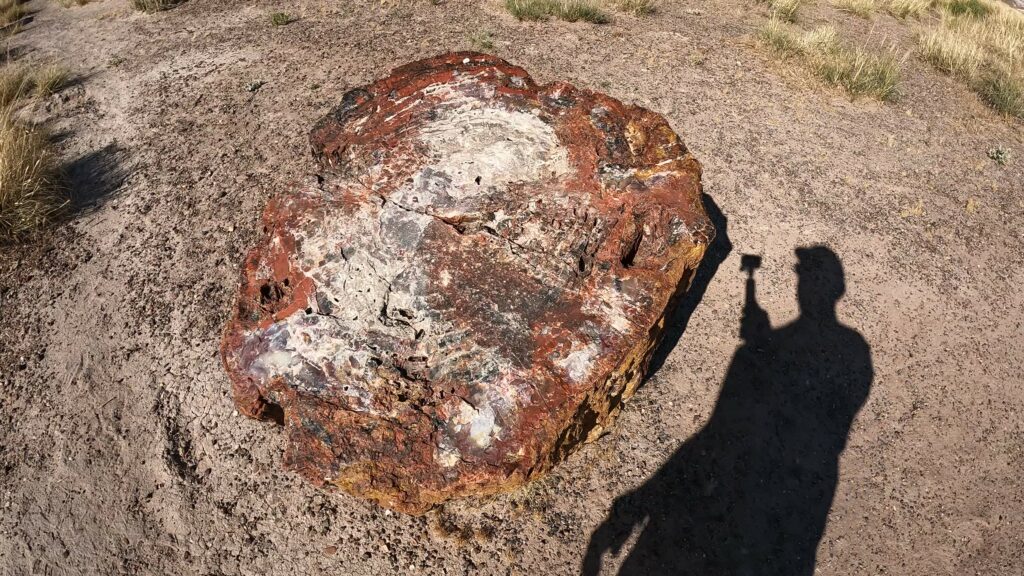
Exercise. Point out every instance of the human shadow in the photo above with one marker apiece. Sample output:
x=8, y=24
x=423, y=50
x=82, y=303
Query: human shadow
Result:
x=750, y=493
x=716, y=253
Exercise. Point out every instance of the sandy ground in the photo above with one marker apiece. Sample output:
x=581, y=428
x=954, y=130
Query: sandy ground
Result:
x=120, y=450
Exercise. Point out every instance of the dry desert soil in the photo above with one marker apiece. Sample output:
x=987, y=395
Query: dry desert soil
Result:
x=120, y=448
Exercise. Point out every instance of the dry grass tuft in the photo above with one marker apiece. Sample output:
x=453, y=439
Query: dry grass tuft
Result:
x=859, y=71
x=1002, y=34
x=11, y=11
x=15, y=84
x=70, y=3
x=951, y=52
x=981, y=42
x=779, y=38
x=784, y=9
x=576, y=10
x=862, y=8
x=972, y=8
x=638, y=7
x=30, y=191
x=568, y=10
x=821, y=39
x=909, y=8
x=50, y=79
x=151, y=6
x=1002, y=90
x=535, y=10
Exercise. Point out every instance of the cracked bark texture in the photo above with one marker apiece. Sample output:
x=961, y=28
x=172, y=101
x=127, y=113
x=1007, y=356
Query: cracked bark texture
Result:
x=471, y=287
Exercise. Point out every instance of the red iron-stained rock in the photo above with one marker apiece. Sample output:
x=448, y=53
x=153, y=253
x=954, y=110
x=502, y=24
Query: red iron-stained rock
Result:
x=472, y=286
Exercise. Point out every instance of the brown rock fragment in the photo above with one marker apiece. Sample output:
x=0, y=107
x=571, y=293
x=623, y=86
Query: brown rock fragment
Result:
x=471, y=288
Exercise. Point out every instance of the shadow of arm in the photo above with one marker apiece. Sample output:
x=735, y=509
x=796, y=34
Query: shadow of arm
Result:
x=611, y=534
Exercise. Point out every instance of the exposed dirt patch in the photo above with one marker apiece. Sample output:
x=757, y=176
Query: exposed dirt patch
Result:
x=120, y=451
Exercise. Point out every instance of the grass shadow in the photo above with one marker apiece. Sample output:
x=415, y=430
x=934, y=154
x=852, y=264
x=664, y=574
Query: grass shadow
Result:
x=95, y=177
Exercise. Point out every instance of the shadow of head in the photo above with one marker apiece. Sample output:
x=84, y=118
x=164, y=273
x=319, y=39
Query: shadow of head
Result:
x=751, y=490
x=820, y=280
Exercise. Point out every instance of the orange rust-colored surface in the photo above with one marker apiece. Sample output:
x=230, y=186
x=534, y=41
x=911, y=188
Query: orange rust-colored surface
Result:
x=470, y=288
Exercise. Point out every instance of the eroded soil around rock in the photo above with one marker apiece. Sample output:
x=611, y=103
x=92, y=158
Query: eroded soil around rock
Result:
x=121, y=451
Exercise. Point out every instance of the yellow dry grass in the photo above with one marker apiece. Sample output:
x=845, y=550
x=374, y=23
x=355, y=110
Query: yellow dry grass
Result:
x=15, y=84
x=909, y=8
x=49, y=79
x=568, y=10
x=981, y=42
x=11, y=11
x=861, y=72
x=154, y=5
x=18, y=82
x=951, y=52
x=862, y=8
x=779, y=38
x=784, y=9
x=30, y=191
x=971, y=8
x=637, y=7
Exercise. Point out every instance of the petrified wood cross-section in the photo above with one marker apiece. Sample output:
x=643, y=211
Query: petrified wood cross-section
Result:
x=471, y=287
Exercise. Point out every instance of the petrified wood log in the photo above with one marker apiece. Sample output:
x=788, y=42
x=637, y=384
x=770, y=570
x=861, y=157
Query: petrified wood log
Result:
x=472, y=286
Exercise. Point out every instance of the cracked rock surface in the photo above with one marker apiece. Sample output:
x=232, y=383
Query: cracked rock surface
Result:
x=470, y=288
